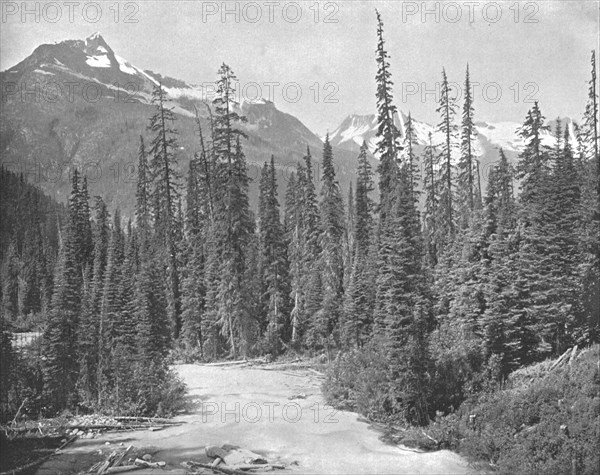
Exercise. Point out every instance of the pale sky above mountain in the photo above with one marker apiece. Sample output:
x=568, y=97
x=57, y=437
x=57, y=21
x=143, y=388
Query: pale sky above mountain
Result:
x=508, y=54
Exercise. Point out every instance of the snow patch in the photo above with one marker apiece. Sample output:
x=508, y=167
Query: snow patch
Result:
x=125, y=66
x=98, y=61
x=503, y=134
x=191, y=92
x=39, y=71
x=145, y=74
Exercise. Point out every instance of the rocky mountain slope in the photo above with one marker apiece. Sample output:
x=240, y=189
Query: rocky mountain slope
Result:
x=79, y=104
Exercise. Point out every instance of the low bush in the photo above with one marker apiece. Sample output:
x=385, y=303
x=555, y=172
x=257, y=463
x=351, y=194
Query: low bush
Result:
x=141, y=389
x=541, y=421
x=183, y=354
x=359, y=380
x=549, y=424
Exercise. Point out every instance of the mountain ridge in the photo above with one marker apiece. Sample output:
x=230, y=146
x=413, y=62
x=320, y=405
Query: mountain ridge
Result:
x=77, y=103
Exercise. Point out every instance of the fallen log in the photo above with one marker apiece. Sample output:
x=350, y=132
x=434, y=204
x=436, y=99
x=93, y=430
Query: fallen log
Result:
x=560, y=360
x=248, y=467
x=227, y=363
x=122, y=427
x=83, y=427
x=124, y=468
x=221, y=469
x=120, y=458
x=146, y=464
x=107, y=463
x=573, y=354
x=436, y=442
x=153, y=420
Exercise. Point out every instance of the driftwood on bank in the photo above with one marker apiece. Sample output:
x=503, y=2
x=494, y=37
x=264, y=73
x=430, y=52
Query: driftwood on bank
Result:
x=217, y=468
x=124, y=468
x=237, y=363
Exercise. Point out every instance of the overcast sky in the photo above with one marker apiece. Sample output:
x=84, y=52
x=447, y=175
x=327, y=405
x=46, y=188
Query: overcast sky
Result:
x=516, y=51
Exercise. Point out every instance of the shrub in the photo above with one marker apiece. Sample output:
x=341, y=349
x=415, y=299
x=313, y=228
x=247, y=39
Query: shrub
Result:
x=546, y=425
x=359, y=380
x=183, y=354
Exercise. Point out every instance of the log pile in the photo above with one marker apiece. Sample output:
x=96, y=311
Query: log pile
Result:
x=87, y=427
x=231, y=460
x=115, y=462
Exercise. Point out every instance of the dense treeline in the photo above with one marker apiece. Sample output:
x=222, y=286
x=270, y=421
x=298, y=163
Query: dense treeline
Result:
x=29, y=233
x=485, y=283
x=420, y=307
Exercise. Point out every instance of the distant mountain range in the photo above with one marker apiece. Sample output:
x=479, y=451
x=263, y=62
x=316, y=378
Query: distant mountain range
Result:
x=356, y=129
x=77, y=103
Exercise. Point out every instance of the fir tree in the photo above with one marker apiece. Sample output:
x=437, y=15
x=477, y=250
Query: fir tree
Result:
x=10, y=283
x=111, y=307
x=295, y=240
x=430, y=188
x=60, y=365
x=153, y=336
x=500, y=209
x=446, y=222
x=143, y=192
x=332, y=232
x=388, y=135
x=466, y=181
x=360, y=291
x=84, y=228
x=234, y=232
x=590, y=211
x=402, y=308
x=273, y=262
x=194, y=298
x=166, y=194
x=89, y=328
x=310, y=241
x=412, y=160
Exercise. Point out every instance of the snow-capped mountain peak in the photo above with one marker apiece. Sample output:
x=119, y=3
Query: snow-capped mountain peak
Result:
x=355, y=129
x=92, y=60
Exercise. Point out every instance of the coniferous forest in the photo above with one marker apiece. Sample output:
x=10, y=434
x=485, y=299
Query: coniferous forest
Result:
x=420, y=289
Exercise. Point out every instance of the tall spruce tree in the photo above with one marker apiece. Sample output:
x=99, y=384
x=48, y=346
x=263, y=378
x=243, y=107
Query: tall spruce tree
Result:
x=430, y=188
x=467, y=183
x=310, y=239
x=388, y=136
x=111, y=307
x=235, y=231
x=446, y=214
x=143, y=192
x=332, y=263
x=273, y=259
x=411, y=164
x=549, y=317
x=359, y=295
x=295, y=240
x=89, y=328
x=165, y=195
x=60, y=364
x=590, y=211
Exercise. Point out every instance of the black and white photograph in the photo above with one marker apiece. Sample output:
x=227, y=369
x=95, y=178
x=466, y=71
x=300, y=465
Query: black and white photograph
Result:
x=310, y=237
